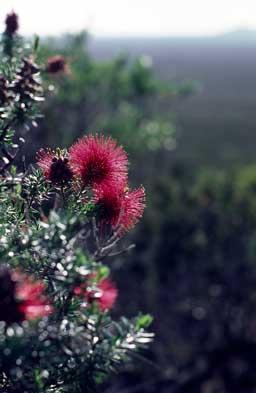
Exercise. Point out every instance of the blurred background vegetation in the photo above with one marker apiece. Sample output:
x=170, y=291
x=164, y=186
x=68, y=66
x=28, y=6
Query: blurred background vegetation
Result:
x=188, y=124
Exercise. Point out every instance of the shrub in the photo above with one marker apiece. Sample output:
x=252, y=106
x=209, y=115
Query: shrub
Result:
x=59, y=221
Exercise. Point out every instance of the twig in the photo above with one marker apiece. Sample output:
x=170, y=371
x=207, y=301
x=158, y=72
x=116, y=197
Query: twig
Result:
x=120, y=252
x=95, y=233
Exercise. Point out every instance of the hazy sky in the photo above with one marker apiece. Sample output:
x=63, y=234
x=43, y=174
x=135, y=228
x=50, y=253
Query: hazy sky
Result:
x=133, y=17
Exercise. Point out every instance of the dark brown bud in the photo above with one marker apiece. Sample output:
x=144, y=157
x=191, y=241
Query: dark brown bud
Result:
x=59, y=171
x=11, y=23
x=56, y=64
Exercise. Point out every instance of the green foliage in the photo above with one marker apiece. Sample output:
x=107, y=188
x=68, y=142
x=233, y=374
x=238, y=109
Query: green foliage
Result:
x=120, y=96
x=143, y=321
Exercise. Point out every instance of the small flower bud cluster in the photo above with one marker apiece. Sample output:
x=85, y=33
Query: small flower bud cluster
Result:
x=23, y=90
x=26, y=86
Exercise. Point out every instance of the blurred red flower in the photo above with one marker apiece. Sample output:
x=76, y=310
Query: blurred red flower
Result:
x=21, y=298
x=55, y=167
x=120, y=209
x=108, y=294
x=99, y=162
x=29, y=294
x=11, y=23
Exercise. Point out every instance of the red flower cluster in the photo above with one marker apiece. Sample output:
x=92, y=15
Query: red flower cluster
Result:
x=21, y=298
x=103, y=293
x=102, y=166
x=11, y=23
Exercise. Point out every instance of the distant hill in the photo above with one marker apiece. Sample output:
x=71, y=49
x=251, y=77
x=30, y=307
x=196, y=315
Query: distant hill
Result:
x=238, y=36
x=218, y=124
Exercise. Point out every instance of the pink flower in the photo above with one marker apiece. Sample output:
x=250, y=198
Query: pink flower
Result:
x=120, y=209
x=21, y=298
x=108, y=294
x=104, y=293
x=98, y=161
x=55, y=166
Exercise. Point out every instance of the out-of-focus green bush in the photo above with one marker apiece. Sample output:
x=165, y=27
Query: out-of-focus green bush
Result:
x=196, y=261
x=120, y=96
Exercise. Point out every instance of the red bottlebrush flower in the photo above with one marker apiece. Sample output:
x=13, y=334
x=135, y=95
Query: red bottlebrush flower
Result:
x=21, y=298
x=55, y=166
x=120, y=209
x=11, y=23
x=98, y=161
x=103, y=293
x=56, y=65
